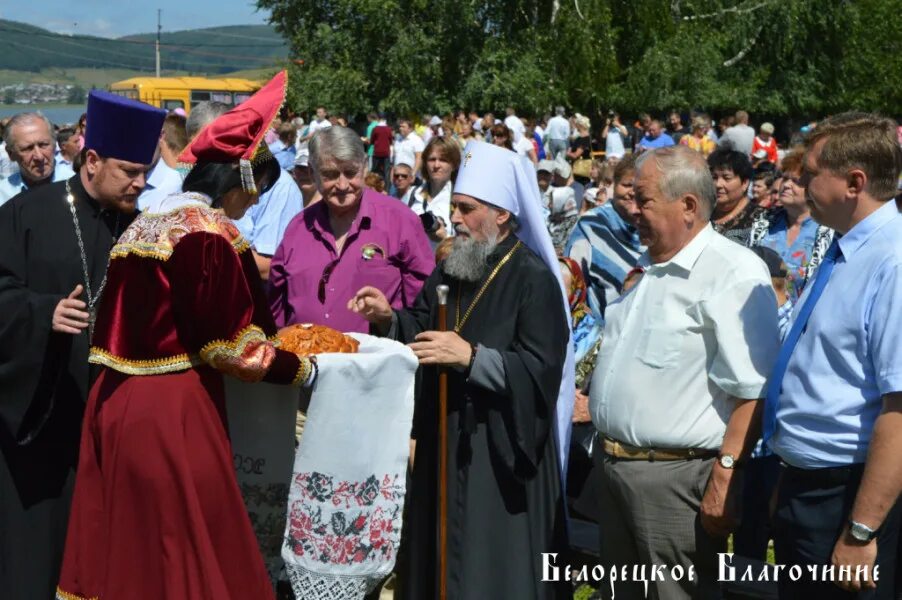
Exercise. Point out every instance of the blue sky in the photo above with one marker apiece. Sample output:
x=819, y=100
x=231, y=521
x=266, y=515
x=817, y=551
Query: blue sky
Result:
x=114, y=18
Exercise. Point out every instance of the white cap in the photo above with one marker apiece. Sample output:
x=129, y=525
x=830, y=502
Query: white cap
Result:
x=562, y=168
x=545, y=165
x=434, y=121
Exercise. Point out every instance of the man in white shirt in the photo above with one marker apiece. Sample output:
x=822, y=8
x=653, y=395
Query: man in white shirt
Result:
x=675, y=397
x=67, y=141
x=514, y=123
x=434, y=129
x=409, y=149
x=557, y=134
x=402, y=181
x=739, y=137
x=320, y=122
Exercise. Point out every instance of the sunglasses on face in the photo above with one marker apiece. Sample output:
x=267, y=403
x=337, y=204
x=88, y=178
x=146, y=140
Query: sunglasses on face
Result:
x=401, y=176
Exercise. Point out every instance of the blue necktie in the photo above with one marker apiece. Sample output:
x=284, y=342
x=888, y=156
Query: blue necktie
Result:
x=775, y=384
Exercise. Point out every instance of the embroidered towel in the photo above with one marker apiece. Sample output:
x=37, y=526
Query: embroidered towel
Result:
x=347, y=490
x=261, y=426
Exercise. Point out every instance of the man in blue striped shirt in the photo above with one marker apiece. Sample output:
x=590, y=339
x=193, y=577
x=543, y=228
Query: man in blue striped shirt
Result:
x=834, y=405
x=605, y=241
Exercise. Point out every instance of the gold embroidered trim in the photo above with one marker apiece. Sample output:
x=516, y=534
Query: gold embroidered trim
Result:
x=248, y=357
x=156, y=366
x=303, y=374
x=61, y=595
x=249, y=334
x=156, y=235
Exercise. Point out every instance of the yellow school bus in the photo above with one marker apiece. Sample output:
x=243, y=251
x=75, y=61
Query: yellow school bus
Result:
x=171, y=93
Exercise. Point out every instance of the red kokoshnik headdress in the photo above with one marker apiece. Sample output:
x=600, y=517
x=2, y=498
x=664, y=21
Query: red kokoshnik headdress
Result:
x=238, y=134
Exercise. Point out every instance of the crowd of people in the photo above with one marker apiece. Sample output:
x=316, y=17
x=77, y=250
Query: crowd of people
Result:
x=675, y=332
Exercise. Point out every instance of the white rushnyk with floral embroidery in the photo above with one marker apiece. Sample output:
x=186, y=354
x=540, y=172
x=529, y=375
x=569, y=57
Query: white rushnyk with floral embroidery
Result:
x=347, y=489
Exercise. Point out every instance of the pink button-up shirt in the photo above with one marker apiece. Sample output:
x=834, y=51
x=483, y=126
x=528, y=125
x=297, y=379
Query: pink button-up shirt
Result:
x=386, y=247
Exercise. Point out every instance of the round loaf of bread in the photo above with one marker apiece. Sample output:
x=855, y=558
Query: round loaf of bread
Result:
x=307, y=339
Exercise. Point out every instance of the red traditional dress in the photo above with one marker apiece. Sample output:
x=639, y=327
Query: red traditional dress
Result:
x=157, y=512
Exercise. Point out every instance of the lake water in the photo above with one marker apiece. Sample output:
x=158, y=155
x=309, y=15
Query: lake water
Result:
x=59, y=114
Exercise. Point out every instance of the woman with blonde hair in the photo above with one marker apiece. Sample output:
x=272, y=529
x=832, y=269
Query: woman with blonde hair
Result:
x=699, y=140
x=580, y=151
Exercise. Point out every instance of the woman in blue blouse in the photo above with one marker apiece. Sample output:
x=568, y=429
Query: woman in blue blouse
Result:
x=790, y=231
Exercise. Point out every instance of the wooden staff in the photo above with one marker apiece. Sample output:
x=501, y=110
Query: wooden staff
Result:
x=442, y=292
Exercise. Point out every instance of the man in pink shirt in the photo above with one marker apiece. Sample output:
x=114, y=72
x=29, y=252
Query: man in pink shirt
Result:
x=355, y=237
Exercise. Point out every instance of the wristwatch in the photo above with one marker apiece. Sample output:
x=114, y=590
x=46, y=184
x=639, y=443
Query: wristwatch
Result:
x=861, y=532
x=728, y=461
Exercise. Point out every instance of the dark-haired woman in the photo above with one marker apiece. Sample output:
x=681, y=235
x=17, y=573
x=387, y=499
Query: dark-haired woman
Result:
x=157, y=512
x=734, y=212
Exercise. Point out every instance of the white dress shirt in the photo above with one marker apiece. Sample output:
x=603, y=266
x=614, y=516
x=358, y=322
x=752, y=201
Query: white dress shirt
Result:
x=406, y=149
x=558, y=129
x=695, y=332
x=162, y=180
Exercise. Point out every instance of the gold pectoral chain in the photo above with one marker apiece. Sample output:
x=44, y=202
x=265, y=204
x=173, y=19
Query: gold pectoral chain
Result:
x=458, y=322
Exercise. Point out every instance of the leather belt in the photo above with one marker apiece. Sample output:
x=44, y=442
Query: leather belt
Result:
x=620, y=450
x=829, y=476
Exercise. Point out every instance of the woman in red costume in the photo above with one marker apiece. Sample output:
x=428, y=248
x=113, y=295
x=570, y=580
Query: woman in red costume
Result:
x=157, y=512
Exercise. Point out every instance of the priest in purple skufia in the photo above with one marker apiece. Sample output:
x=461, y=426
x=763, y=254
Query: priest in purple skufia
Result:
x=55, y=243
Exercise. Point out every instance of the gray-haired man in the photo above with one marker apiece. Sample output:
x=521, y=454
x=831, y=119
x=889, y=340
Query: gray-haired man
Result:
x=30, y=143
x=675, y=398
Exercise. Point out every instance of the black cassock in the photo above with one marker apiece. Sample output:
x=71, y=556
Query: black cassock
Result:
x=44, y=376
x=505, y=505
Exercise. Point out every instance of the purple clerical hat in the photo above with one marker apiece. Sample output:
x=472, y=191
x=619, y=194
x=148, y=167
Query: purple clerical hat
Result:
x=118, y=127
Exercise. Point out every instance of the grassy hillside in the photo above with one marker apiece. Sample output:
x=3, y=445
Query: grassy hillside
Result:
x=212, y=51
x=101, y=78
x=230, y=48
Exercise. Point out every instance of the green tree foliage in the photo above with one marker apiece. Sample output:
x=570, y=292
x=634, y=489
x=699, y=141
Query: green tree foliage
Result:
x=77, y=95
x=796, y=57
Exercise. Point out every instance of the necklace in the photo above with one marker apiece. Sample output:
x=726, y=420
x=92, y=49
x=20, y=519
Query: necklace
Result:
x=92, y=298
x=458, y=322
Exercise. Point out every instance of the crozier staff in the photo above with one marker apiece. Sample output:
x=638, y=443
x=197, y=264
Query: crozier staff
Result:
x=510, y=386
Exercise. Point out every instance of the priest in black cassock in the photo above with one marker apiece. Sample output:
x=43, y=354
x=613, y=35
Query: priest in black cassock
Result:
x=55, y=245
x=510, y=391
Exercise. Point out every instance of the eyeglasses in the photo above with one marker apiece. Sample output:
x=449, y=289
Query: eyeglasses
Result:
x=324, y=280
x=400, y=176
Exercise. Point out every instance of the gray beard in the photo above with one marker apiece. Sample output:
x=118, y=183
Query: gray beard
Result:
x=468, y=260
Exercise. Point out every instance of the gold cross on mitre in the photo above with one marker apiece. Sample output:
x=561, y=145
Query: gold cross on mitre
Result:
x=467, y=158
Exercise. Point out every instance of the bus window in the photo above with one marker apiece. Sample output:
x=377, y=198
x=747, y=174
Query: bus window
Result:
x=199, y=97
x=133, y=94
x=173, y=104
x=242, y=96
x=224, y=97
